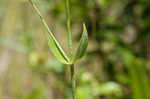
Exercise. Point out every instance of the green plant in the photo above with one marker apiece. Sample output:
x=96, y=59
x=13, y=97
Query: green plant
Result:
x=58, y=51
x=138, y=76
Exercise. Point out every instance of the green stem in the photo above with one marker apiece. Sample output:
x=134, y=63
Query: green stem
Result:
x=69, y=28
x=73, y=81
x=72, y=68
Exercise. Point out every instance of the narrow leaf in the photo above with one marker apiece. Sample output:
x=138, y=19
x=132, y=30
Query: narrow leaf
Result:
x=57, y=50
x=83, y=44
x=53, y=44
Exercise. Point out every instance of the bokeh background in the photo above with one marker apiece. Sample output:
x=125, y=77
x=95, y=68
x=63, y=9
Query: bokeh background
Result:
x=115, y=66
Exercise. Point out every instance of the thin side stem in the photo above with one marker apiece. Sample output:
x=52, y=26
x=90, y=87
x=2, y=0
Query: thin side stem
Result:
x=69, y=27
x=73, y=81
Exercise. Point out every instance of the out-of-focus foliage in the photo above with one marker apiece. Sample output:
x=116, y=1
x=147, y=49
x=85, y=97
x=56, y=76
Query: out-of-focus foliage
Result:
x=117, y=62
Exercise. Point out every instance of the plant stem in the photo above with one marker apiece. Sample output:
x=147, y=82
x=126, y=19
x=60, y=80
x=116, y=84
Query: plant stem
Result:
x=69, y=28
x=73, y=81
x=72, y=68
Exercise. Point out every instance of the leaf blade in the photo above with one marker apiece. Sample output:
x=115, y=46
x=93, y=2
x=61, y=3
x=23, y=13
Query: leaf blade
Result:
x=57, y=50
x=52, y=42
x=83, y=44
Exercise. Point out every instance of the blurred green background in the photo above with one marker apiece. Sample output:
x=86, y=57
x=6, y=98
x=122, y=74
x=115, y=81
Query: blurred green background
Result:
x=117, y=62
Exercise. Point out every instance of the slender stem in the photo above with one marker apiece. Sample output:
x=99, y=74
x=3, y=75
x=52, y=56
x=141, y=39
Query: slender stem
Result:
x=73, y=81
x=69, y=28
x=72, y=68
